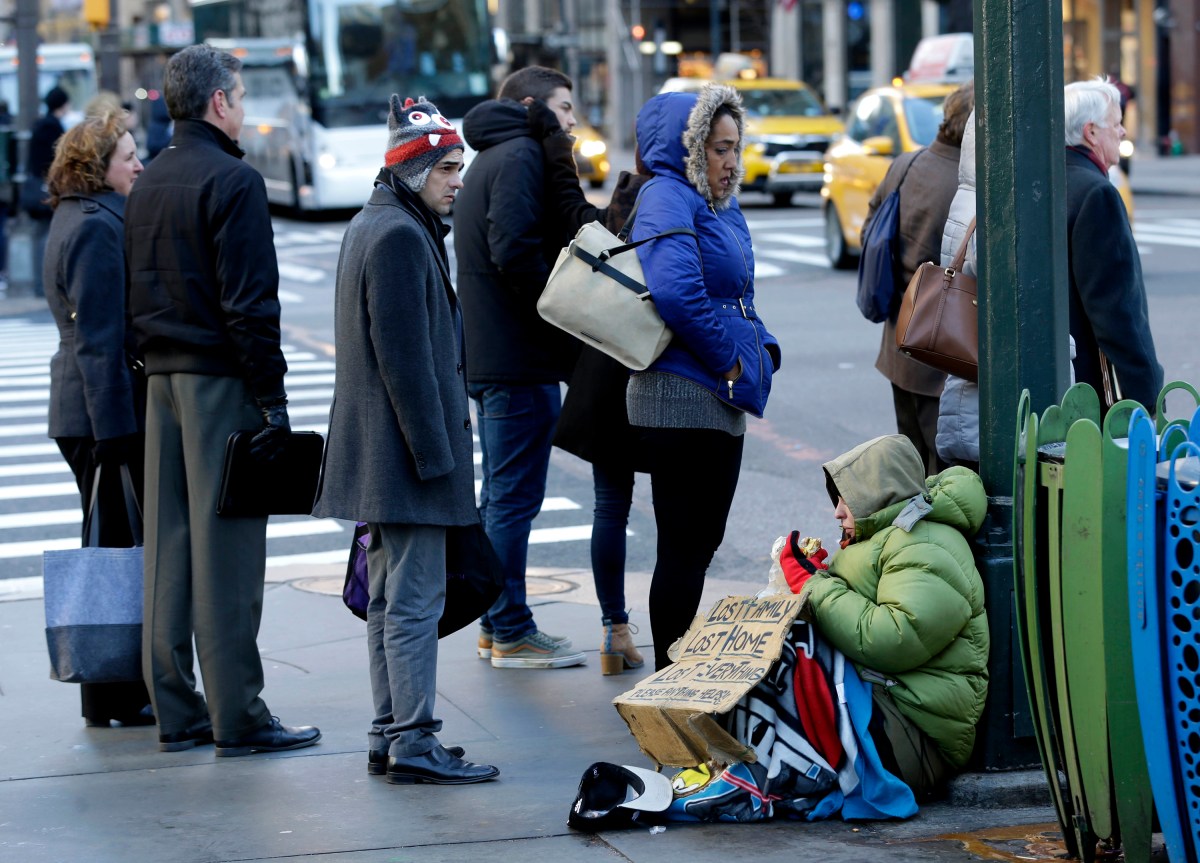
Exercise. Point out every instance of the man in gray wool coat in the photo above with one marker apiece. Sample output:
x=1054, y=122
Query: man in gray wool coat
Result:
x=399, y=454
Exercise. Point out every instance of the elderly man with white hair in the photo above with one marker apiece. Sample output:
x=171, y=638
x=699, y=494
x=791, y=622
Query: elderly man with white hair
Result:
x=1109, y=317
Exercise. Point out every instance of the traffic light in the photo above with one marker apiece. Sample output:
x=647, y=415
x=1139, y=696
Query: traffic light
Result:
x=637, y=31
x=96, y=13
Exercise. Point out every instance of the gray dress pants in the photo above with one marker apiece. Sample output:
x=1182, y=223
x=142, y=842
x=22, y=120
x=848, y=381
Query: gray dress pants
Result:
x=406, y=575
x=204, y=572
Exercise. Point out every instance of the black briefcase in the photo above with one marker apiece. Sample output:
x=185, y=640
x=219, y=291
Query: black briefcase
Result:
x=287, y=485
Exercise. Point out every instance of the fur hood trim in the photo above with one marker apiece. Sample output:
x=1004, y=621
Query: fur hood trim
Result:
x=699, y=126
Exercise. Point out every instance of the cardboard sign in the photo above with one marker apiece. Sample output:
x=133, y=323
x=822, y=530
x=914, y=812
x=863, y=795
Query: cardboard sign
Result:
x=724, y=653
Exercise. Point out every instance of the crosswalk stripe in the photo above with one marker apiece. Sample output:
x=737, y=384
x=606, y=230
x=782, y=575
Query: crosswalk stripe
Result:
x=291, y=380
x=23, y=450
x=795, y=257
x=769, y=224
x=24, y=396
x=41, y=519
x=802, y=240
x=37, y=490
x=23, y=430
x=34, y=468
x=35, y=547
x=23, y=413
x=298, y=273
x=283, y=530
x=1143, y=235
x=17, y=371
x=763, y=270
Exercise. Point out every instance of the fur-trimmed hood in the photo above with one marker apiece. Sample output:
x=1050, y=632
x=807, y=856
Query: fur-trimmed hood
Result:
x=672, y=129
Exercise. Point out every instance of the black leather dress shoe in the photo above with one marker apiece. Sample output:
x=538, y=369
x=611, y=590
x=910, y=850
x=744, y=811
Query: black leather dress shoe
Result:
x=377, y=761
x=272, y=737
x=438, y=767
x=199, y=733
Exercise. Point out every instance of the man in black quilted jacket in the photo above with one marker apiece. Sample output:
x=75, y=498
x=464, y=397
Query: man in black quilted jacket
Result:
x=204, y=302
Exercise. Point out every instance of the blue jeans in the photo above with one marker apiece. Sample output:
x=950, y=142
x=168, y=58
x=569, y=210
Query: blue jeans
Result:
x=614, y=497
x=516, y=426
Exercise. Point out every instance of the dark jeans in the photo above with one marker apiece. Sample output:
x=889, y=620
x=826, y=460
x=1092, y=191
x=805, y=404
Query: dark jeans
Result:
x=610, y=519
x=693, y=475
x=516, y=426
x=103, y=701
x=916, y=419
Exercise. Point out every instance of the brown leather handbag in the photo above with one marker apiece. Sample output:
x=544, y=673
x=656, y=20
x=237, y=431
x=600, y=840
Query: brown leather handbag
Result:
x=938, y=323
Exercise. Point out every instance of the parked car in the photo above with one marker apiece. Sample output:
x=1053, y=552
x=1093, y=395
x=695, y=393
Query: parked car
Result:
x=883, y=123
x=591, y=155
x=787, y=132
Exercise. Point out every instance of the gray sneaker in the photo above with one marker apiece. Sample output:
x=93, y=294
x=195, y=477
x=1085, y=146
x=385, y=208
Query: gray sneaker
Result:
x=484, y=644
x=535, y=650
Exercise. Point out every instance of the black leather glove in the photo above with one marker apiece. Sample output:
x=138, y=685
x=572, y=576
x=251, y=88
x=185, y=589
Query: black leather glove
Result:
x=543, y=122
x=116, y=450
x=269, y=443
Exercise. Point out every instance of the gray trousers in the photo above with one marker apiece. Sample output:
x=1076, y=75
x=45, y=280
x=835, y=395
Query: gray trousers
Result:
x=406, y=574
x=204, y=573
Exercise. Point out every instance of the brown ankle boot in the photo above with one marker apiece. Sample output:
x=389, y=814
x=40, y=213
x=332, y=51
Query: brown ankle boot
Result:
x=617, y=651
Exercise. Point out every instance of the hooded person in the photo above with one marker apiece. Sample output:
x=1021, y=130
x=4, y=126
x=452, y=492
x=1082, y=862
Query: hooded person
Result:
x=400, y=454
x=689, y=407
x=905, y=602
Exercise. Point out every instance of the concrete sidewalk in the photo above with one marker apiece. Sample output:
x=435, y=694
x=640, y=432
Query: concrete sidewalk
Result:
x=69, y=793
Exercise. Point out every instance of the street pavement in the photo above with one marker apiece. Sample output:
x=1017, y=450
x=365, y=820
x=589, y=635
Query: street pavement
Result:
x=72, y=793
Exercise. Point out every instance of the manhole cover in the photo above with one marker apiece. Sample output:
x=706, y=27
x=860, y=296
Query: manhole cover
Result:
x=540, y=585
x=330, y=585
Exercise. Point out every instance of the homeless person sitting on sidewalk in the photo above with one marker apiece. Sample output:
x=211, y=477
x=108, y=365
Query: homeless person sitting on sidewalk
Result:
x=904, y=601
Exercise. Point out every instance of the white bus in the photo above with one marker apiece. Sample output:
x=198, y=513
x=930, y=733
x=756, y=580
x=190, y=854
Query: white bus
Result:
x=318, y=75
x=69, y=65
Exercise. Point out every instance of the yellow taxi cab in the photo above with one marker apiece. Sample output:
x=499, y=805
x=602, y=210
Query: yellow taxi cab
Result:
x=884, y=122
x=787, y=132
x=591, y=155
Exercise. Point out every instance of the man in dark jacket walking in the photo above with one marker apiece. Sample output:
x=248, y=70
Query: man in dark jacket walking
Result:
x=399, y=454
x=1107, y=295
x=204, y=303
x=42, y=139
x=515, y=360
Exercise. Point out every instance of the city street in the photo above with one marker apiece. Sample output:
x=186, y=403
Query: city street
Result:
x=70, y=793
x=826, y=398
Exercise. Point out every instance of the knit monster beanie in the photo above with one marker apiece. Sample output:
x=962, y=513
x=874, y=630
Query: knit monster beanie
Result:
x=418, y=138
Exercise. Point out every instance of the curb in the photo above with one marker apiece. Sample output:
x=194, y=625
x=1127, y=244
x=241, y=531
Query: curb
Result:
x=999, y=790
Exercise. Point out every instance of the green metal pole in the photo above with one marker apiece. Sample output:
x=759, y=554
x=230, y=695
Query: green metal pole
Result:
x=1023, y=304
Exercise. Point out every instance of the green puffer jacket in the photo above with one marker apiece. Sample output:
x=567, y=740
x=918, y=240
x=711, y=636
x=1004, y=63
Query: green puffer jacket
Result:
x=908, y=604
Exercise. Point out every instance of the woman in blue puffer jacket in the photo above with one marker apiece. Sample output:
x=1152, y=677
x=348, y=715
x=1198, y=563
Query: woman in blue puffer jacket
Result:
x=690, y=406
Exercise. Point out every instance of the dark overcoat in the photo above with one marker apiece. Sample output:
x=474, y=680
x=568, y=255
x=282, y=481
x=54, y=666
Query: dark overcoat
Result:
x=92, y=392
x=1107, y=295
x=399, y=448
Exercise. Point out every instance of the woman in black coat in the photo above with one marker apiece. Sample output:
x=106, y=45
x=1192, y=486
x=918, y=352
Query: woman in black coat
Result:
x=593, y=425
x=97, y=403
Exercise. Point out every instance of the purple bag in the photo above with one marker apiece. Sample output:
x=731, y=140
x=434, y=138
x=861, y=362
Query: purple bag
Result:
x=474, y=576
x=354, y=591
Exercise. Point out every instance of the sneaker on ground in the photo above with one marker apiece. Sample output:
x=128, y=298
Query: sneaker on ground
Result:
x=486, y=640
x=535, y=650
